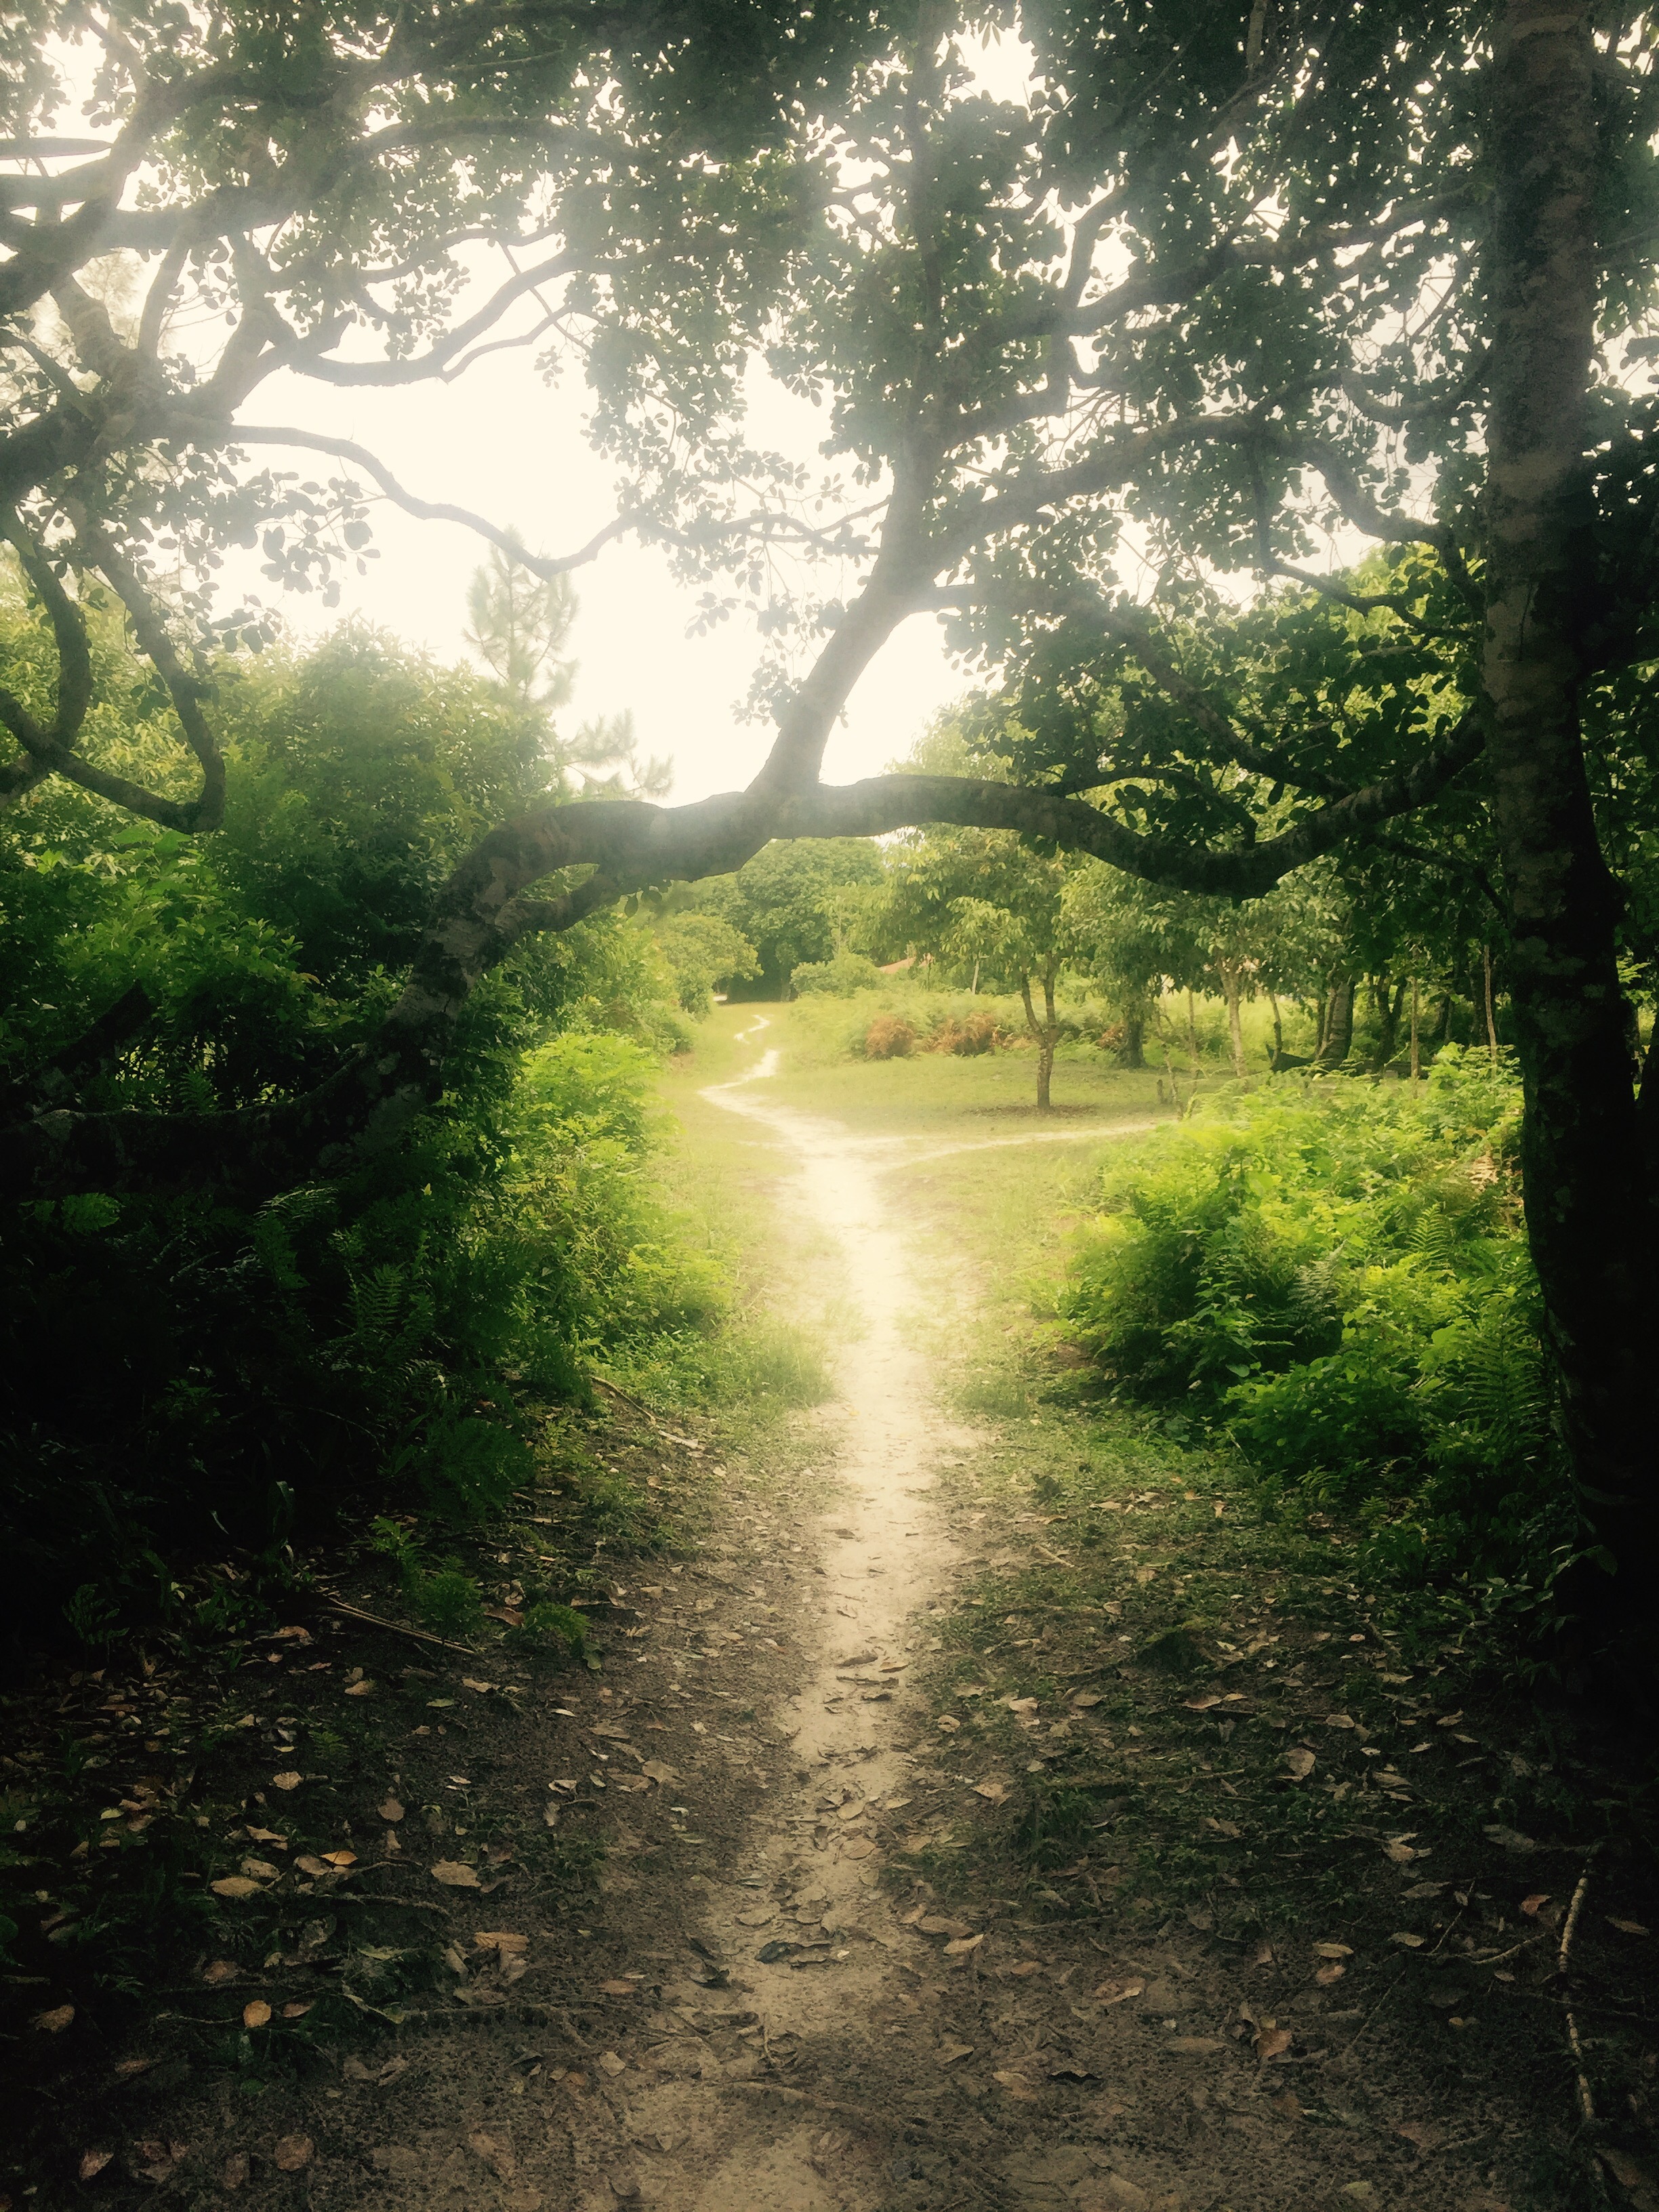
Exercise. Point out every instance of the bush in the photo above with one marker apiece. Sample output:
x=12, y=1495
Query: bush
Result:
x=1334, y=1271
x=838, y=977
x=889, y=1036
x=967, y=1038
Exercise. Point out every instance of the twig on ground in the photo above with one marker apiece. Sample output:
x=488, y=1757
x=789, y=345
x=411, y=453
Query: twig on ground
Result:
x=399, y=1628
x=859, y=2112
x=1570, y=1928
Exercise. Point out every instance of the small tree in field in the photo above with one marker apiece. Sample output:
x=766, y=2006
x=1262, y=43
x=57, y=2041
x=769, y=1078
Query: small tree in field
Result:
x=988, y=901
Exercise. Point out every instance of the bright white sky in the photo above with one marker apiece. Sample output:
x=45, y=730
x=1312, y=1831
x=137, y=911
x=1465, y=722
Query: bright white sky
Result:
x=505, y=445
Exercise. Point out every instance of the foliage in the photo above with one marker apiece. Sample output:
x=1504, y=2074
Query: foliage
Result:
x=839, y=977
x=795, y=903
x=205, y=1368
x=702, y=952
x=1335, y=1274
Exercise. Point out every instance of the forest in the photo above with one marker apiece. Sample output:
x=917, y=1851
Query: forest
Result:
x=1259, y=403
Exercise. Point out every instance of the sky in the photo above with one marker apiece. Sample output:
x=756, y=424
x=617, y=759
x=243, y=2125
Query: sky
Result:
x=506, y=446
x=502, y=443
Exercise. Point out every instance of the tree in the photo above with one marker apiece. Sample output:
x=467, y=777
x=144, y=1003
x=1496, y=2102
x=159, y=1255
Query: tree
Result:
x=519, y=625
x=793, y=903
x=702, y=952
x=1223, y=281
x=987, y=900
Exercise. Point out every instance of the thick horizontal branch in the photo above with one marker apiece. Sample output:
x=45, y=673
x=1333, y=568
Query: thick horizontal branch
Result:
x=486, y=909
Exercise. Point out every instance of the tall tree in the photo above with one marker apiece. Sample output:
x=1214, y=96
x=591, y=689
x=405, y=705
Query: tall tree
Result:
x=1223, y=278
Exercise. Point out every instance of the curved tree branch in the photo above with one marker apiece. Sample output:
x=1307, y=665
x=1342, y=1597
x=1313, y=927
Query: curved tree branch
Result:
x=485, y=909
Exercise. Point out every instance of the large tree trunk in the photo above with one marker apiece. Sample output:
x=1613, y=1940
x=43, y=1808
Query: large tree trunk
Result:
x=1590, y=1212
x=1232, y=995
x=1339, y=1027
x=1131, y=1052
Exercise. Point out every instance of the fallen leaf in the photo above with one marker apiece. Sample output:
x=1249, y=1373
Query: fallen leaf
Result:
x=1203, y=1705
x=1017, y=2086
x=467, y=1683
x=758, y=1917
x=1412, y=1943
x=996, y=1791
x=857, y=1847
x=55, y=2021
x=267, y=1836
x=1111, y=1993
x=454, y=1875
x=391, y=1810
x=287, y=1781
x=1511, y=1839
x=1624, y=1927
x=340, y=1858
x=235, y=2171
x=936, y=1923
x=219, y=1971
x=256, y=2013
x=129, y=2067
x=962, y=1945
x=293, y=2152
x=1088, y=1696
x=950, y=2052
x=659, y=1771
x=309, y=1862
x=234, y=1884
x=1400, y=1851
x=1334, y=1950
x=1533, y=1905
x=1024, y=1966
x=502, y=1941
x=618, y=1989
x=1199, y=2046
x=1326, y=1975
x=1419, y=2132
x=1339, y=1720
x=262, y=1869
x=92, y=2163
x=1271, y=2042
x=1298, y=1763
x=611, y=2063
x=296, y=2010
x=362, y=1689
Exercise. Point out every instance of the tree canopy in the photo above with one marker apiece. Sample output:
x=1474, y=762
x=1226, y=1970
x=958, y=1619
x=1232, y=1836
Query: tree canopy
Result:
x=1105, y=367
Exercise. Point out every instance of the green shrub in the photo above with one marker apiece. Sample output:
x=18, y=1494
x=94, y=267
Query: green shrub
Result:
x=838, y=977
x=1334, y=1271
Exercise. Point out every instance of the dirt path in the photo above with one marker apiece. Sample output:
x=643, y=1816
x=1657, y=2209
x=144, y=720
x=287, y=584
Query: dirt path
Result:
x=825, y=1736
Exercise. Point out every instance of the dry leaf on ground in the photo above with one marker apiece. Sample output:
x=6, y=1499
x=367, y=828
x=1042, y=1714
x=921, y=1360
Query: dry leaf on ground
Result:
x=1420, y=2132
x=758, y=1917
x=1200, y=2046
x=1328, y=1974
x=501, y=1940
x=291, y=2153
x=287, y=1780
x=1411, y=1942
x=92, y=2163
x=1298, y=1763
x=235, y=2171
x=996, y=1791
x=611, y=2063
x=234, y=1884
x=391, y=1809
x=218, y=1971
x=455, y=1875
x=618, y=1989
x=1271, y=2042
x=256, y=2013
x=1111, y=1993
x=1334, y=1950
x=950, y=2052
x=1624, y=1927
x=55, y=2021
x=962, y=1945
x=937, y=1924
x=1533, y=1905
x=1017, y=2086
